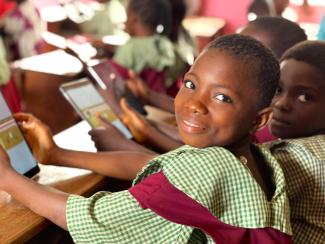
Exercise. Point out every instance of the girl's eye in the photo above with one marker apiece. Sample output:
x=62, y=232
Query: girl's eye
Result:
x=189, y=84
x=223, y=98
x=304, y=98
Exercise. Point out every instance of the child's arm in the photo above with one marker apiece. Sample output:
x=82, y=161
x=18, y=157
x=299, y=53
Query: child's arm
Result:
x=149, y=96
x=42, y=200
x=144, y=132
x=109, y=138
x=122, y=164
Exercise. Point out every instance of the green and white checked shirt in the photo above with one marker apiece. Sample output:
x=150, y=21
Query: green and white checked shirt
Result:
x=212, y=176
x=155, y=52
x=303, y=162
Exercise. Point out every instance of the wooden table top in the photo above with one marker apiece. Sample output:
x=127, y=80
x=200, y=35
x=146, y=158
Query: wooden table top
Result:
x=17, y=223
x=56, y=62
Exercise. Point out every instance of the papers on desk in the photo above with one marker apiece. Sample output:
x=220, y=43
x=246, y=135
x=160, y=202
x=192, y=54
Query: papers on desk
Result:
x=79, y=44
x=57, y=62
x=76, y=138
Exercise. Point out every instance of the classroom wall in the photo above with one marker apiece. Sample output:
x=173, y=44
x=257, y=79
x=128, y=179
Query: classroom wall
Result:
x=233, y=11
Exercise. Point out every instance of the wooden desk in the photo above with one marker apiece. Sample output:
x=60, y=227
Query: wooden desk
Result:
x=40, y=78
x=17, y=223
x=56, y=62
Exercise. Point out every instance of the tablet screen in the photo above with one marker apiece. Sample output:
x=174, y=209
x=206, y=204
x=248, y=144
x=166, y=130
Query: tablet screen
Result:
x=14, y=143
x=84, y=97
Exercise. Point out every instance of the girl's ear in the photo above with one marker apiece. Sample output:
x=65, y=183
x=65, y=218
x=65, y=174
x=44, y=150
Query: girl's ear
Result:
x=262, y=119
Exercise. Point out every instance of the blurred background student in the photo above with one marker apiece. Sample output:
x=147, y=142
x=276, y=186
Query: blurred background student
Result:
x=148, y=52
x=107, y=19
x=23, y=28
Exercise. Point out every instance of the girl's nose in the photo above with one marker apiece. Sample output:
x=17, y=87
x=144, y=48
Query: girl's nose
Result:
x=282, y=102
x=196, y=107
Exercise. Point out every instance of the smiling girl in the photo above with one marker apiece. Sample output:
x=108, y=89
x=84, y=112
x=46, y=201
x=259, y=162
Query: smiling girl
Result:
x=217, y=188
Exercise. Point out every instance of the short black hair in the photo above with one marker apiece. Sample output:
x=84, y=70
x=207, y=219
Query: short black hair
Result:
x=282, y=32
x=260, y=58
x=311, y=52
x=154, y=14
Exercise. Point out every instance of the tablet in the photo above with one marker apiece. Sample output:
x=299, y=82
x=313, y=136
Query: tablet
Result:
x=13, y=141
x=105, y=75
x=89, y=104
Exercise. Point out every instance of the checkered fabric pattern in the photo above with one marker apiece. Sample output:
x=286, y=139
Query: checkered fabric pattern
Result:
x=155, y=52
x=212, y=176
x=303, y=162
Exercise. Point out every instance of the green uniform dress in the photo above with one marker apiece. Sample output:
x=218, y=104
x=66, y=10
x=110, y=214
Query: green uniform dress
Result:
x=138, y=53
x=303, y=163
x=212, y=177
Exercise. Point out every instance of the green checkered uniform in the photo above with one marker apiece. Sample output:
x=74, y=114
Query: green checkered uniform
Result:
x=212, y=176
x=303, y=162
x=155, y=52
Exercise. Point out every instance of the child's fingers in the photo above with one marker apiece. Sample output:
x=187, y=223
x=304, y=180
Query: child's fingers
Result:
x=132, y=83
x=125, y=106
x=137, y=85
x=132, y=74
x=20, y=117
x=25, y=121
x=128, y=112
x=94, y=132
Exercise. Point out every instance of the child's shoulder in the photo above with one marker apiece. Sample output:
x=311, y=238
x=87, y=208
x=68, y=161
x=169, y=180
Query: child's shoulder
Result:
x=192, y=155
x=214, y=157
x=313, y=146
x=188, y=158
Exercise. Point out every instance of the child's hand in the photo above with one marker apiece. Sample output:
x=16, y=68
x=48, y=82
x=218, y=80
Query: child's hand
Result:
x=38, y=136
x=138, y=87
x=108, y=138
x=136, y=123
x=110, y=97
x=5, y=166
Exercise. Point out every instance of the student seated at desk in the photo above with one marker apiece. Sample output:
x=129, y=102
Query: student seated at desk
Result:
x=23, y=29
x=218, y=188
x=297, y=108
x=148, y=52
x=299, y=120
x=268, y=30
